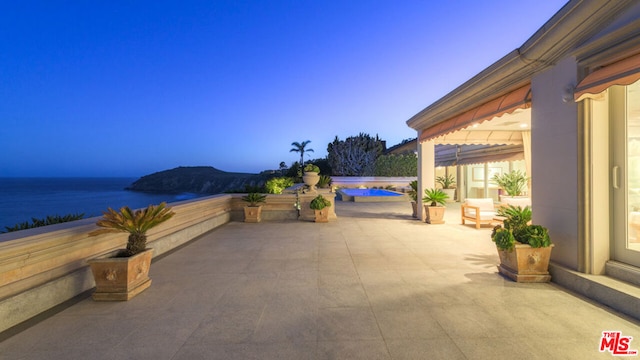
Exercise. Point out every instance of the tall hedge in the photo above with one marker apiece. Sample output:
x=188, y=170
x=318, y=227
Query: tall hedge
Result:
x=397, y=165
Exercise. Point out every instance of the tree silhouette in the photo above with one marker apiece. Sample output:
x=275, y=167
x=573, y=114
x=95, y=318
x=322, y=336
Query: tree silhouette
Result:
x=301, y=148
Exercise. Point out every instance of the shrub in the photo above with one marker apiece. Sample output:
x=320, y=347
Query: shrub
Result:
x=278, y=184
x=396, y=165
x=49, y=220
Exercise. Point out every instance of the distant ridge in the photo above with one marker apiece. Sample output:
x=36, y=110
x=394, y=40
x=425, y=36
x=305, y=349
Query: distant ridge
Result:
x=196, y=179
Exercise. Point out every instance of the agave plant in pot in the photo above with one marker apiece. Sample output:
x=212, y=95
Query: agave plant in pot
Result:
x=448, y=183
x=320, y=204
x=524, y=248
x=513, y=183
x=253, y=211
x=434, y=201
x=126, y=274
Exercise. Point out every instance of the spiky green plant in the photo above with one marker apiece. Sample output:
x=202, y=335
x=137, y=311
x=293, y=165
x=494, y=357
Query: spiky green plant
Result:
x=136, y=223
x=413, y=193
x=517, y=218
x=513, y=182
x=435, y=197
x=325, y=181
x=254, y=198
x=447, y=182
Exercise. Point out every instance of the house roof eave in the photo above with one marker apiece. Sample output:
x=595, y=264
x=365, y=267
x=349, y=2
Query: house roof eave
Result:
x=573, y=24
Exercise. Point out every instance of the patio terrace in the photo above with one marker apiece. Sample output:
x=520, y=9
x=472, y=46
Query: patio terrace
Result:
x=373, y=284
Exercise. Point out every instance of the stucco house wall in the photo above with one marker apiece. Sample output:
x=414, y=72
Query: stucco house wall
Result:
x=554, y=148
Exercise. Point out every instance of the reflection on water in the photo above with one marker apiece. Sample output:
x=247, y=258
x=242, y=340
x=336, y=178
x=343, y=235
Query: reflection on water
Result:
x=24, y=198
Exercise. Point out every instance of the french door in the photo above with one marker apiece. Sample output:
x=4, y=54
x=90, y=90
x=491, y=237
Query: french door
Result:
x=625, y=172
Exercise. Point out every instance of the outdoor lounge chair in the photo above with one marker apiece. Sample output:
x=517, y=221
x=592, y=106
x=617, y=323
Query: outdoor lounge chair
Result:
x=480, y=211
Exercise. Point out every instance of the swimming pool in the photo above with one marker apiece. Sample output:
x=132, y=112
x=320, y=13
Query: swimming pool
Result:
x=370, y=195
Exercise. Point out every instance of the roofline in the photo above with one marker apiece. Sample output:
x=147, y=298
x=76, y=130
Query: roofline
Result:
x=574, y=23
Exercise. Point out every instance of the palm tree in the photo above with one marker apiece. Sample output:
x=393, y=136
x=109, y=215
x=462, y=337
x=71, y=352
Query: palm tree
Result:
x=300, y=147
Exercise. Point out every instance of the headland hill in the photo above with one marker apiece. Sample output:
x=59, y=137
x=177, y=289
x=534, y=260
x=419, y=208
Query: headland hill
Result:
x=203, y=180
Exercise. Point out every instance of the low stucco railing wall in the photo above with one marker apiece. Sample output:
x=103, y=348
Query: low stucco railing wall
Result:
x=283, y=207
x=44, y=267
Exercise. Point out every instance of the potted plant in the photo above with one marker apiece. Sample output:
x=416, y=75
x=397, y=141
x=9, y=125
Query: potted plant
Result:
x=324, y=181
x=126, y=274
x=434, y=200
x=413, y=194
x=320, y=204
x=448, y=184
x=253, y=211
x=311, y=176
x=513, y=182
x=524, y=249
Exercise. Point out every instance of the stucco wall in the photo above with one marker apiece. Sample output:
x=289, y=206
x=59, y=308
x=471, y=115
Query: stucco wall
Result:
x=554, y=167
x=43, y=267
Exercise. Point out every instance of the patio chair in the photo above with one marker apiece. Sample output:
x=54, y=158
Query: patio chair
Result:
x=479, y=211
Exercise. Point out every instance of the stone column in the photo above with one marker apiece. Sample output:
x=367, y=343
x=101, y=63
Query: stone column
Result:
x=426, y=172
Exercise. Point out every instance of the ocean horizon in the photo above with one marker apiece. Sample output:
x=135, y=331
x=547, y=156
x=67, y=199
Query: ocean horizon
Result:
x=22, y=199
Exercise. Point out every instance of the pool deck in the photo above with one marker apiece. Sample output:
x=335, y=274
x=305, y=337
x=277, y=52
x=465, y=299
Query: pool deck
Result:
x=373, y=284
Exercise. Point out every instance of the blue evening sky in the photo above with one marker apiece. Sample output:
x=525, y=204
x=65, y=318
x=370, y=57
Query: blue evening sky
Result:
x=127, y=88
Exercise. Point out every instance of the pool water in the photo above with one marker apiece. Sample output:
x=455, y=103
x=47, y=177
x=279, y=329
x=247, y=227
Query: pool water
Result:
x=370, y=195
x=369, y=192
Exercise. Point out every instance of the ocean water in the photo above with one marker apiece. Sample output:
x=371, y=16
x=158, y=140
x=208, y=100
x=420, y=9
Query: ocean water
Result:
x=24, y=198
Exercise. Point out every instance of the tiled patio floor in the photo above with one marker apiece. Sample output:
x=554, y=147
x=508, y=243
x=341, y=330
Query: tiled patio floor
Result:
x=375, y=284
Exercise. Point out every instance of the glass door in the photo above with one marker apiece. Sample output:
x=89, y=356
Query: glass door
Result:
x=625, y=172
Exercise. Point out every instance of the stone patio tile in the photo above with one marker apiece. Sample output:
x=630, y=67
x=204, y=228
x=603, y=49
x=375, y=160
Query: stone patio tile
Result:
x=347, y=323
x=352, y=350
x=248, y=351
x=432, y=349
x=227, y=326
x=374, y=284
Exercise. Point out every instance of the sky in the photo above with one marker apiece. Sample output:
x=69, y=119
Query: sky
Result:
x=128, y=88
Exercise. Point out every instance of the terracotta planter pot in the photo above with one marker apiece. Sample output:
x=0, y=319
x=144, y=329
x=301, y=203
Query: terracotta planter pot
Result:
x=414, y=207
x=525, y=264
x=121, y=278
x=435, y=214
x=322, y=216
x=253, y=214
